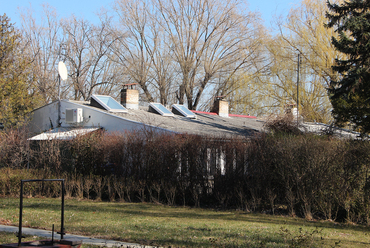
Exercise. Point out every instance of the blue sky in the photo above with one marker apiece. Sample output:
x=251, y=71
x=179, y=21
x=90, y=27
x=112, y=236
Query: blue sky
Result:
x=88, y=8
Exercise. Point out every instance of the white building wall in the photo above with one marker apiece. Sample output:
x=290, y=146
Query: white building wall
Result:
x=44, y=118
x=92, y=117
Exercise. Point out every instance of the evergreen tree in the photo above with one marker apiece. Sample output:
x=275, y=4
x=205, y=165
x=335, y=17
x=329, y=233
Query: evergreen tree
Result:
x=350, y=93
x=15, y=93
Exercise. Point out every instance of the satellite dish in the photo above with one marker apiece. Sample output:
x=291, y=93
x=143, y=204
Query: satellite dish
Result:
x=62, y=71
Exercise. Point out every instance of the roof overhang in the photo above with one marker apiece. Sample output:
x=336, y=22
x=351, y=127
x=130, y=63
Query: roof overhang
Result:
x=62, y=133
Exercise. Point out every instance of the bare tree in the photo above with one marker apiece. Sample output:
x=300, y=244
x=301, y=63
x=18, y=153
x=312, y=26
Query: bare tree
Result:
x=236, y=51
x=105, y=75
x=163, y=68
x=207, y=38
x=131, y=45
x=178, y=46
x=176, y=50
x=43, y=46
x=82, y=46
x=87, y=54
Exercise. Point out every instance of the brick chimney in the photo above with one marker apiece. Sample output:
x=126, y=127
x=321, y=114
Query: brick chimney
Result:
x=221, y=106
x=130, y=96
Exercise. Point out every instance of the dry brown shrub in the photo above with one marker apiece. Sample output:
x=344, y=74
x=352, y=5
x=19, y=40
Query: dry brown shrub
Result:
x=119, y=187
x=14, y=148
x=98, y=185
x=88, y=182
x=283, y=124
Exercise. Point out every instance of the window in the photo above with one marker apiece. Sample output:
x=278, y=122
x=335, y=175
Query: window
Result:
x=107, y=103
x=159, y=109
x=182, y=110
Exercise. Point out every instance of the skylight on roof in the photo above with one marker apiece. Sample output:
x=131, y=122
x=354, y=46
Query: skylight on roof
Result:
x=160, y=109
x=180, y=109
x=107, y=103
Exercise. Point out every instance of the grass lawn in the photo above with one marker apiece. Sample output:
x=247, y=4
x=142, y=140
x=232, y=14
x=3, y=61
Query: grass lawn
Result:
x=9, y=238
x=181, y=226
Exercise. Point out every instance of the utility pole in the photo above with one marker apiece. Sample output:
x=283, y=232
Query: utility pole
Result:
x=298, y=85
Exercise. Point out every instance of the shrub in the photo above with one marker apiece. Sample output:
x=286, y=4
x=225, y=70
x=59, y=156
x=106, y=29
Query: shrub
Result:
x=304, y=175
x=283, y=124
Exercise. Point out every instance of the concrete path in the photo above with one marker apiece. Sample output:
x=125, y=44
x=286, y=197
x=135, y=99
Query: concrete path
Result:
x=85, y=240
